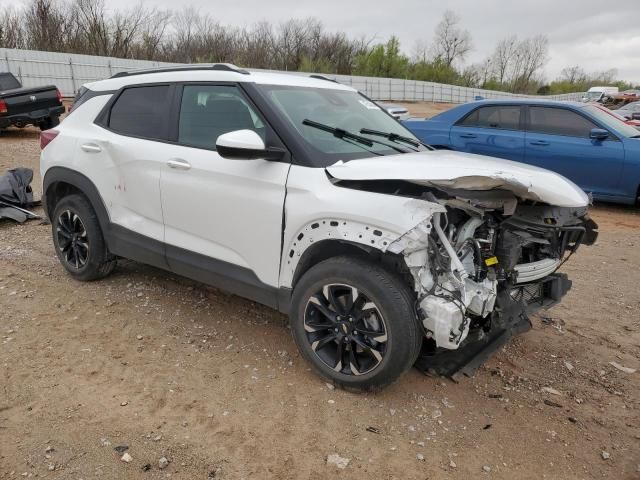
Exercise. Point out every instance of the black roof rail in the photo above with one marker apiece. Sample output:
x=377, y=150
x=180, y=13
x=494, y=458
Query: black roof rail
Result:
x=227, y=67
x=322, y=77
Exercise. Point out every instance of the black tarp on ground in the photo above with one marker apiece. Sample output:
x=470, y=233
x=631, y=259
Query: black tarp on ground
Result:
x=16, y=195
x=15, y=187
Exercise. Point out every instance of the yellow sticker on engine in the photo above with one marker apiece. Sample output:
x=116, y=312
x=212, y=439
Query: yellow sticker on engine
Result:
x=491, y=261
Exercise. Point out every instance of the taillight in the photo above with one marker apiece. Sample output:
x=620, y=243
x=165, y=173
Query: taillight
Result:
x=3, y=106
x=59, y=95
x=46, y=137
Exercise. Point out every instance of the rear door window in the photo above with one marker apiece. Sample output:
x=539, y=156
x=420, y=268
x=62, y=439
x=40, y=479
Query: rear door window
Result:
x=559, y=121
x=142, y=112
x=505, y=117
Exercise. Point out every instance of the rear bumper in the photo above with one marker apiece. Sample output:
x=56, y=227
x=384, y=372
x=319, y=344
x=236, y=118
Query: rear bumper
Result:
x=515, y=306
x=31, y=118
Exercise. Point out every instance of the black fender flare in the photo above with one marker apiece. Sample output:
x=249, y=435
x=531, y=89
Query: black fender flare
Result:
x=82, y=183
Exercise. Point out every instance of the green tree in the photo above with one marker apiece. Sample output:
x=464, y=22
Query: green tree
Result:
x=436, y=70
x=383, y=60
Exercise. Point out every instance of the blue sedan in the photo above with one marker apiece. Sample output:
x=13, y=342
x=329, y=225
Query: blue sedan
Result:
x=596, y=150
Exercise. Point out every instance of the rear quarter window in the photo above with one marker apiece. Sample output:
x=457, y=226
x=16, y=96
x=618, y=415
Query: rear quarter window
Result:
x=142, y=112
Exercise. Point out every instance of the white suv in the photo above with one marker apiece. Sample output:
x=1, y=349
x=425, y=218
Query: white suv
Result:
x=304, y=195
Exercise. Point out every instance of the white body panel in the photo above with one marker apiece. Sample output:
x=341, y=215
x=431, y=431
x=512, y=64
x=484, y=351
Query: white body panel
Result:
x=466, y=171
x=360, y=216
x=230, y=210
x=125, y=170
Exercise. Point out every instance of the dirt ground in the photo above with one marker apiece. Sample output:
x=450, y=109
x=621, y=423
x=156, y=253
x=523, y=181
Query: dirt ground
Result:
x=171, y=368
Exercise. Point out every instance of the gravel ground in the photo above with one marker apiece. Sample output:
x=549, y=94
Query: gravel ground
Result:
x=188, y=382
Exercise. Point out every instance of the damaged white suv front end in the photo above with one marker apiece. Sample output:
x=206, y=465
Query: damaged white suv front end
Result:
x=486, y=239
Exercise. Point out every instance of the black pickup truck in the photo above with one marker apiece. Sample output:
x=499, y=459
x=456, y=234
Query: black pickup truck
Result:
x=39, y=106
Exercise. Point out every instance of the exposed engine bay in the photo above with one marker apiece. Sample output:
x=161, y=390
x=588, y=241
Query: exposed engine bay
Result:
x=484, y=263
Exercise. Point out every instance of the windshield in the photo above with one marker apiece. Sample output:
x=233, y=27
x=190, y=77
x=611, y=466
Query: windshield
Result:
x=342, y=109
x=630, y=107
x=612, y=122
x=592, y=96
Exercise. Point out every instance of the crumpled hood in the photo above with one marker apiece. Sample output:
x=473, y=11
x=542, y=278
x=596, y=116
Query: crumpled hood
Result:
x=465, y=171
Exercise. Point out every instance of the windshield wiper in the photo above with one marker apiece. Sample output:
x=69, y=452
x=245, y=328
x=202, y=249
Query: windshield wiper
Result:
x=394, y=137
x=346, y=135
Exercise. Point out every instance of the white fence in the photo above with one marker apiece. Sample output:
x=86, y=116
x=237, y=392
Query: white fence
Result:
x=70, y=71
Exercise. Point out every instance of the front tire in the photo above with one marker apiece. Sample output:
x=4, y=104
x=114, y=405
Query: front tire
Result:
x=355, y=323
x=78, y=240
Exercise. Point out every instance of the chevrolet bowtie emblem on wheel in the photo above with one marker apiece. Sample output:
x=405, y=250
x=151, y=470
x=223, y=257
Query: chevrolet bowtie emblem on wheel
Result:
x=32, y=98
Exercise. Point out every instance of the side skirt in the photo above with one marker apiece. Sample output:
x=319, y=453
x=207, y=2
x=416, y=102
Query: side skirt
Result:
x=216, y=273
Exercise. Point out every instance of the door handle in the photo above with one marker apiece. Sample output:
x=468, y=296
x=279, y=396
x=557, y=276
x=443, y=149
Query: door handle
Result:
x=539, y=143
x=468, y=135
x=91, y=148
x=179, y=164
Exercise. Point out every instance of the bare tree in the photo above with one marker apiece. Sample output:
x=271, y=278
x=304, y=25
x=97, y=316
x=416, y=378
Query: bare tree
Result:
x=503, y=57
x=124, y=29
x=11, y=29
x=531, y=56
x=451, y=42
x=42, y=23
x=608, y=76
x=575, y=74
x=153, y=35
x=257, y=46
x=420, y=52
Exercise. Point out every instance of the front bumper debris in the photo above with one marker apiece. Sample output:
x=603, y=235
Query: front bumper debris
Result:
x=510, y=318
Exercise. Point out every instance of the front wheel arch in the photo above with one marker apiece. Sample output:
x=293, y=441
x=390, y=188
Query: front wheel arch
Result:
x=326, y=249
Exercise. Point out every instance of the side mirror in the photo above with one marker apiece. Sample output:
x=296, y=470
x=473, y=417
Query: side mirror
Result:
x=599, y=134
x=245, y=145
x=635, y=116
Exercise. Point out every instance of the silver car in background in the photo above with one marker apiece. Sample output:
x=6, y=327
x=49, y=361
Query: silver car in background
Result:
x=396, y=111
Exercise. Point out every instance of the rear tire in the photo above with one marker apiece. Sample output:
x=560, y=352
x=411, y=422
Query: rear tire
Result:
x=355, y=323
x=78, y=240
x=49, y=123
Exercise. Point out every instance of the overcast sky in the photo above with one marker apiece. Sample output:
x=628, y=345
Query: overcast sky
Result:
x=596, y=34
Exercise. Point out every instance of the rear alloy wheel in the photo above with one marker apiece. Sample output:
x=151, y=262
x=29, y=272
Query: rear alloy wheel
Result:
x=72, y=239
x=345, y=329
x=354, y=322
x=78, y=239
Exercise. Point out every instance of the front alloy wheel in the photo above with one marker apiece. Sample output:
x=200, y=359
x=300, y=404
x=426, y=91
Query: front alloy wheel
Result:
x=345, y=329
x=354, y=322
